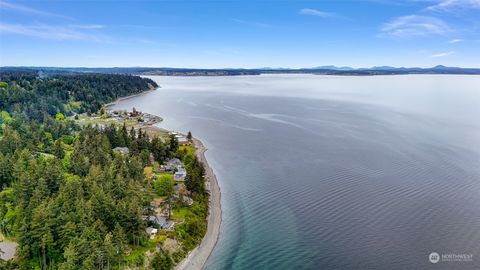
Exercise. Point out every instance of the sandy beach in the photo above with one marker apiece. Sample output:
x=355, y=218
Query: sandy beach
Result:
x=113, y=103
x=197, y=257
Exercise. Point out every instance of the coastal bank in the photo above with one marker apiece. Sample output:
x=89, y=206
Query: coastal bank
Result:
x=197, y=257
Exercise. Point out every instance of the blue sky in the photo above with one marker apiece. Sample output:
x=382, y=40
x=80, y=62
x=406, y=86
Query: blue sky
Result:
x=234, y=33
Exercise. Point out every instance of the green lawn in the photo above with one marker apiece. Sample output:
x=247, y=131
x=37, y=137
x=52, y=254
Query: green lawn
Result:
x=181, y=213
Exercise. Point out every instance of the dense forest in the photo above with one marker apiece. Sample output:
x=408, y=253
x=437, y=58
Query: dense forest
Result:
x=68, y=199
x=31, y=97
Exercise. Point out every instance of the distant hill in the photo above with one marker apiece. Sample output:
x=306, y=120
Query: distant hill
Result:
x=166, y=71
x=334, y=68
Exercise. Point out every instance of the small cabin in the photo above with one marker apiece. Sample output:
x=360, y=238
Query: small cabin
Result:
x=151, y=232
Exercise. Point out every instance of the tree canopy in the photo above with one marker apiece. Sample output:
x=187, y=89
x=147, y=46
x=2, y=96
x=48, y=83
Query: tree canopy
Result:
x=66, y=197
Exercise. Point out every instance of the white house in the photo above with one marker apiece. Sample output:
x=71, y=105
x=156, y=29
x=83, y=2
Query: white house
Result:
x=151, y=232
x=183, y=141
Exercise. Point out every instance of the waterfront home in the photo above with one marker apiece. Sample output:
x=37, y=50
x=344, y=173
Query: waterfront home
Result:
x=168, y=226
x=122, y=150
x=172, y=164
x=160, y=222
x=151, y=232
x=180, y=175
x=157, y=221
x=182, y=140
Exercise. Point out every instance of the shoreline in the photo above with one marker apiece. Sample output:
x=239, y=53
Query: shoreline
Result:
x=197, y=257
x=115, y=102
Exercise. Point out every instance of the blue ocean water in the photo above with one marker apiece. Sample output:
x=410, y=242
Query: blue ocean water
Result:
x=335, y=172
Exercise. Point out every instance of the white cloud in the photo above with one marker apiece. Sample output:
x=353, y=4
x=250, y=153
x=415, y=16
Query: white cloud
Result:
x=442, y=54
x=455, y=40
x=21, y=8
x=319, y=13
x=449, y=5
x=414, y=25
x=55, y=32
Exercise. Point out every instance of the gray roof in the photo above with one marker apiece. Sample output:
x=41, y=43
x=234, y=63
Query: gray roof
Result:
x=182, y=140
x=150, y=230
x=123, y=150
x=174, y=162
x=160, y=221
x=180, y=173
x=168, y=225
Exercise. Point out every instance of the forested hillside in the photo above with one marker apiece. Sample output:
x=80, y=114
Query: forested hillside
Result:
x=32, y=97
x=66, y=198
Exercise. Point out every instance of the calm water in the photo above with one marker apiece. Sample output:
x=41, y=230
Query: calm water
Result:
x=325, y=172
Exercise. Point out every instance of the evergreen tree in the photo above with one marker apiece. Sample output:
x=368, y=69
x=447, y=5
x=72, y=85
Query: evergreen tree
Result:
x=83, y=207
x=172, y=144
x=161, y=261
x=157, y=147
x=58, y=150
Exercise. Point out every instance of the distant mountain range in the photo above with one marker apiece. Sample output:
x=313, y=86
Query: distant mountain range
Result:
x=166, y=71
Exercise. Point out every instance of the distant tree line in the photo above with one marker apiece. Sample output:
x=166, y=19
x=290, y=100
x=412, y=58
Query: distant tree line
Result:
x=31, y=97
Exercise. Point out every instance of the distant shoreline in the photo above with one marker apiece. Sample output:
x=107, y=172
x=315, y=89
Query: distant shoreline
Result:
x=113, y=103
x=322, y=70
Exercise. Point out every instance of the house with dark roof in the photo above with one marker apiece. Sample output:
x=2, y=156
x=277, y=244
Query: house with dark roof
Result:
x=156, y=221
x=173, y=164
